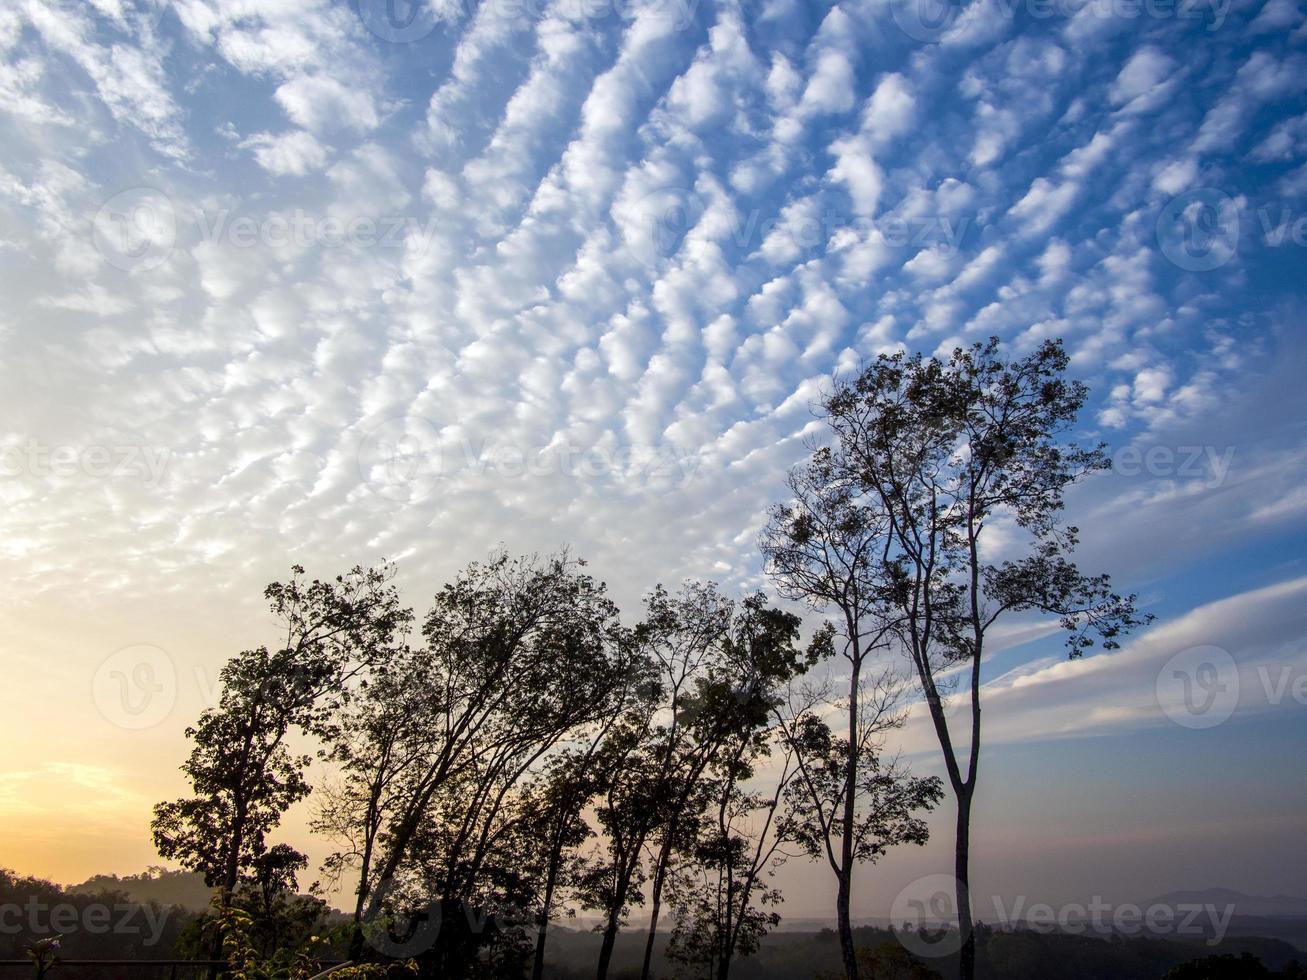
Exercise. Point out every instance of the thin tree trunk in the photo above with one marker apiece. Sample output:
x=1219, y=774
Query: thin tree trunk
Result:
x=622, y=886
x=967, y=953
x=847, y=952
x=844, y=895
x=656, y=900
x=538, y=965
x=606, y=947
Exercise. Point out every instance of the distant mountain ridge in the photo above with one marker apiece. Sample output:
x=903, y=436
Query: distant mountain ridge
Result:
x=159, y=885
x=1262, y=905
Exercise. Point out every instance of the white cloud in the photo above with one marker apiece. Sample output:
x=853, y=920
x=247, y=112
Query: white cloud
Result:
x=295, y=152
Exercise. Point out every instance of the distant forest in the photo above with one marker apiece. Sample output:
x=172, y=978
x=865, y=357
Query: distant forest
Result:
x=1012, y=955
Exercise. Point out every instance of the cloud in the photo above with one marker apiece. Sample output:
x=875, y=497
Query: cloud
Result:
x=295, y=152
x=1128, y=690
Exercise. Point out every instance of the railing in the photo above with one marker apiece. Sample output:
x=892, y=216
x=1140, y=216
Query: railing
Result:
x=59, y=968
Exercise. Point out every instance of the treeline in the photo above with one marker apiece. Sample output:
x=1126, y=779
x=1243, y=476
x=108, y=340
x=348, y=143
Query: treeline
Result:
x=105, y=924
x=521, y=750
x=112, y=925
x=531, y=754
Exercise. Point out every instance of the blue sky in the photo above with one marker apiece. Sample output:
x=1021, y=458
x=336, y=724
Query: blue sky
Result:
x=320, y=281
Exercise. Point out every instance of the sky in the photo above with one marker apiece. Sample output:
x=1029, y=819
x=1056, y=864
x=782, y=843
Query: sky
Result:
x=329, y=282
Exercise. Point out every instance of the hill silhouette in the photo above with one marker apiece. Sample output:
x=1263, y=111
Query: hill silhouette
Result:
x=155, y=884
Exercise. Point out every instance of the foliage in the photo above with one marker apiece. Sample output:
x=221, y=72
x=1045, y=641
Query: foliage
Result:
x=243, y=774
x=930, y=456
x=297, y=961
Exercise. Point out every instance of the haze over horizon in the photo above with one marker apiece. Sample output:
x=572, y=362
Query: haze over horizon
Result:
x=293, y=283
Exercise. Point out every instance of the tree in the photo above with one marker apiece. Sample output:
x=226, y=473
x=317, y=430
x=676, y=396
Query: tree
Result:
x=825, y=548
x=571, y=780
x=722, y=898
x=518, y=653
x=848, y=803
x=242, y=772
x=717, y=667
x=940, y=453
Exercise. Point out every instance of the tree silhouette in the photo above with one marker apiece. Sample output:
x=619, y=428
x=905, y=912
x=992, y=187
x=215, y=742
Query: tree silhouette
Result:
x=938, y=453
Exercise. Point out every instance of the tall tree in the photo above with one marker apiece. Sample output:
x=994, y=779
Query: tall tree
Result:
x=942, y=453
x=825, y=548
x=723, y=900
x=570, y=781
x=242, y=772
x=518, y=653
x=717, y=666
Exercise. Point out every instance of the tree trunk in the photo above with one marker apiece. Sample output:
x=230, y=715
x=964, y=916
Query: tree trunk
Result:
x=847, y=952
x=656, y=900
x=538, y=965
x=845, y=871
x=606, y=948
x=967, y=953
